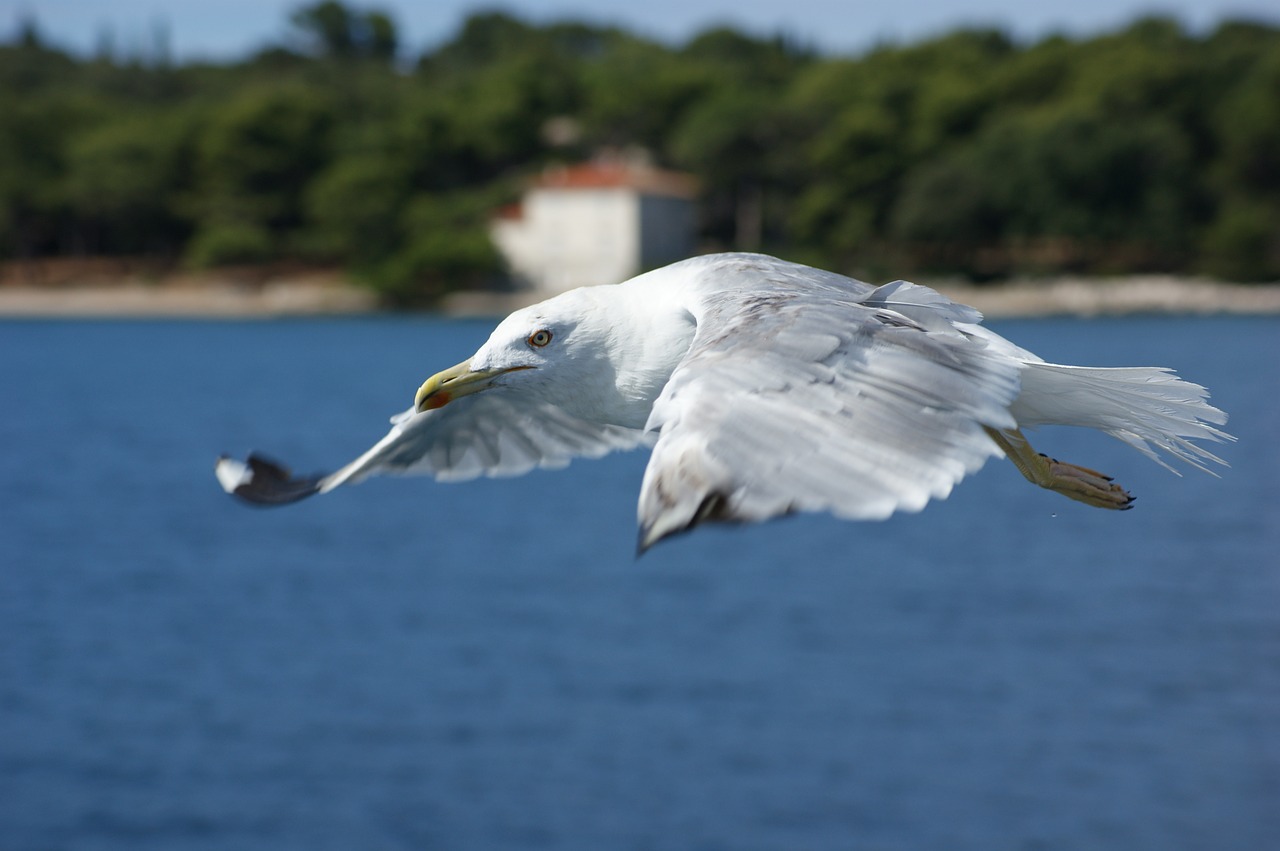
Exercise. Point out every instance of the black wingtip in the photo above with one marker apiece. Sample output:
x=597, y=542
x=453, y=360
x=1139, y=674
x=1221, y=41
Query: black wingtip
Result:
x=647, y=538
x=260, y=481
x=714, y=508
x=642, y=546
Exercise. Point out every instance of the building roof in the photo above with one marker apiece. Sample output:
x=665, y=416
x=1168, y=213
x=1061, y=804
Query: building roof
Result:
x=607, y=174
x=510, y=212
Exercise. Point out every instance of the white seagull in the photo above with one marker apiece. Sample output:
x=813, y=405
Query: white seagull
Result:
x=765, y=388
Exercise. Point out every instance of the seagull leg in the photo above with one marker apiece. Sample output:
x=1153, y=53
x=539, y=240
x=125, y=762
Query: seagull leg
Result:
x=1078, y=483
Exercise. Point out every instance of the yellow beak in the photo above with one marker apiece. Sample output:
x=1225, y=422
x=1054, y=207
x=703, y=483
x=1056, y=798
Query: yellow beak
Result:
x=455, y=382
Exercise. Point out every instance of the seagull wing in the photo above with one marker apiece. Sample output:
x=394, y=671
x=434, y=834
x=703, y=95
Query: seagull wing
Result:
x=500, y=432
x=798, y=400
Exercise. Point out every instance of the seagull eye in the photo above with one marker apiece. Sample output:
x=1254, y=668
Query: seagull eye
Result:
x=539, y=338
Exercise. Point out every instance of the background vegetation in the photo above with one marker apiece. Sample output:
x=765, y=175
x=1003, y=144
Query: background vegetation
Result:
x=1145, y=149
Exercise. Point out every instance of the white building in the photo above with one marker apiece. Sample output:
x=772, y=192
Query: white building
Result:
x=596, y=223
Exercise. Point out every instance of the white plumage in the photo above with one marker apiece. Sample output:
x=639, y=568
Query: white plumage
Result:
x=765, y=387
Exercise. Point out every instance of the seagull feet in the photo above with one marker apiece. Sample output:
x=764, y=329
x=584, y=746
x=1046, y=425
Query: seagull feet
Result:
x=1082, y=484
x=1072, y=481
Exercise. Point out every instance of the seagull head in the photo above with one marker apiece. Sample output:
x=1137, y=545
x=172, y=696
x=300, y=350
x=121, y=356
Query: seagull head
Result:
x=601, y=354
x=557, y=349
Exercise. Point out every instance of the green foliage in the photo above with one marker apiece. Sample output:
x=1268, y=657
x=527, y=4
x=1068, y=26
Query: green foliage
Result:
x=337, y=32
x=222, y=243
x=354, y=208
x=1146, y=148
x=120, y=176
x=255, y=159
x=1105, y=193
x=446, y=248
x=1243, y=242
x=29, y=172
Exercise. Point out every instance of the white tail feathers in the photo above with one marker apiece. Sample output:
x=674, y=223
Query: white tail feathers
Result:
x=1149, y=408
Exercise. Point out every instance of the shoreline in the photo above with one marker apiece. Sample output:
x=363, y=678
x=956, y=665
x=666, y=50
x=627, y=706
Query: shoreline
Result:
x=1119, y=296
x=327, y=293
x=1027, y=299
x=214, y=301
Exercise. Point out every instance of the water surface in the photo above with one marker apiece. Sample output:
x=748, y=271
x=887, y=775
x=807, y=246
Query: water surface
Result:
x=406, y=665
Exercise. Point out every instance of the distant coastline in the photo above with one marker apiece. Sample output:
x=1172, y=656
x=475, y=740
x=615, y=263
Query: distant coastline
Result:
x=89, y=290
x=102, y=287
x=1119, y=296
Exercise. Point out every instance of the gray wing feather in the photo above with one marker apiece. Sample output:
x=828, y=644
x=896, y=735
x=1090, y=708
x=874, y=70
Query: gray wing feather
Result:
x=494, y=433
x=801, y=402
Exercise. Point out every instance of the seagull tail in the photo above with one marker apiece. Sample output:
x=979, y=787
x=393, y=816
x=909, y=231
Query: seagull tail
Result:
x=1149, y=408
x=260, y=481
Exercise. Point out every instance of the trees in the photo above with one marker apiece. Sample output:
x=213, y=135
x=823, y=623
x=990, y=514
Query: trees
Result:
x=733, y=134
x=1243, y=239
x=123, y=176
x=1147, y=148
x=1062, y=189
x=334, y=31
x=254, y=159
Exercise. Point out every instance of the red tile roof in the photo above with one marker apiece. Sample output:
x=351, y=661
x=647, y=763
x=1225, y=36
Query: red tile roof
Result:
x=614, y=175
x=511, y=212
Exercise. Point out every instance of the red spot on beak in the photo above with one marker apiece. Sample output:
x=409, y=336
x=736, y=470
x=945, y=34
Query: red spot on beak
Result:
x=438, y=400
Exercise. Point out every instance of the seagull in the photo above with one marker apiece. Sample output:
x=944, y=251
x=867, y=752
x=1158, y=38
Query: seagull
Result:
x=764, y=388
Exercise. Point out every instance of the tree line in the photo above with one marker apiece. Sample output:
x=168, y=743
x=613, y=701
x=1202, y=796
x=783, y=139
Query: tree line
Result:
x=1146, y=149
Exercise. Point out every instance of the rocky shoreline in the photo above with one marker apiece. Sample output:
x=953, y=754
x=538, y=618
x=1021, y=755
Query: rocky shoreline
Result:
x=229, y=301
x=312, y=293
x=1122, y=296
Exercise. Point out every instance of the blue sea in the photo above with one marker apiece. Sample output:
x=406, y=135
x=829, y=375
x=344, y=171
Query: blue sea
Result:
x=411, y=665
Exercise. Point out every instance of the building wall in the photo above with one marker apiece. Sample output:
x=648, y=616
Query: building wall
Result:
x=517, y=242
x=666, y=230
x=578, y=237
x=585, y=236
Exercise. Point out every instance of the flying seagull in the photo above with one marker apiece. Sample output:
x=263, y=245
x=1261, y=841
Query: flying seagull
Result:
x=764, y=388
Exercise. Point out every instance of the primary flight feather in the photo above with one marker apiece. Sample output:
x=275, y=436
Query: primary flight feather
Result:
x=765, y=388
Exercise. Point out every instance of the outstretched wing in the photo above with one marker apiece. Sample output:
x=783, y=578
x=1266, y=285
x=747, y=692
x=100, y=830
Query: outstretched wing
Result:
x=496, y=433
x=798, y=401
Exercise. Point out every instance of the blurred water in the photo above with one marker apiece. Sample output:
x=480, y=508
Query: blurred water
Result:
x=406, y=665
